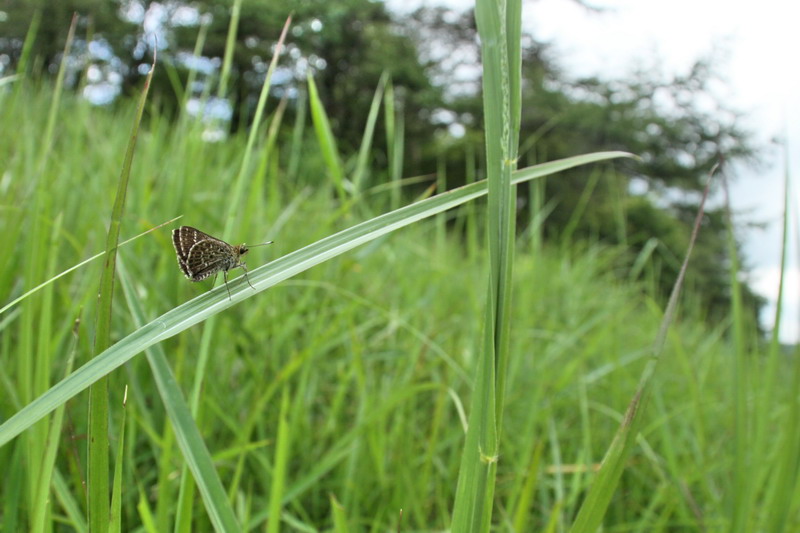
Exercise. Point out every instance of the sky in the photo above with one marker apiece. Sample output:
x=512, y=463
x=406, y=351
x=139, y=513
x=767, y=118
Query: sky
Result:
x=754, y=45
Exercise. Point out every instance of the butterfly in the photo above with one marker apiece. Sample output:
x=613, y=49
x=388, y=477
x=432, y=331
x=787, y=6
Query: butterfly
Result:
x=200, y=255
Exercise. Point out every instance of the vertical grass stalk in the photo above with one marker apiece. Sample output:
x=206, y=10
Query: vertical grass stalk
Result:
x=499, y=30
x=98, y=394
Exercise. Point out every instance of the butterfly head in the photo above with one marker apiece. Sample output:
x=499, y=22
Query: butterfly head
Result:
x=241, y=250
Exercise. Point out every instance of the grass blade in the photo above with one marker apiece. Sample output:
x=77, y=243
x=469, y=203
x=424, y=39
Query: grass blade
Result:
x=327, y=142
x=500, y=54
x=230, y=46
x=784, y=478
x=594, y=506
x=115, y=523
x=215, y=301
x=365, y=149
x=280, y=465
x=98, y=395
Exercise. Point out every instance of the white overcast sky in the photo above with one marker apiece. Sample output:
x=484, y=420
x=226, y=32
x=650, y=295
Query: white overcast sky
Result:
x=759, y=42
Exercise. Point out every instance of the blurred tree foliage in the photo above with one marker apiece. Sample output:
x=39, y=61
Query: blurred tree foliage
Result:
x=676, y=125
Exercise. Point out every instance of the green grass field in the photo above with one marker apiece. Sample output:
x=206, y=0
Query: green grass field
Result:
x=360, y=368
x=338, y=393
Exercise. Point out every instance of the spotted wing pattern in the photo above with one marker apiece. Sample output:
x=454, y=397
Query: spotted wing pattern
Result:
x=209, y=257
x=200, y=255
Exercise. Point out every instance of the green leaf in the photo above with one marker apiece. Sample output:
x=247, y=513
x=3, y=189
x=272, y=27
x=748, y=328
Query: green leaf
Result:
x=500, y=53
x=327, y=142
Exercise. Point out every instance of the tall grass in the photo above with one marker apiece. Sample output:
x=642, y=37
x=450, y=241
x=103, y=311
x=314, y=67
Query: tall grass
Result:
x=341, y=394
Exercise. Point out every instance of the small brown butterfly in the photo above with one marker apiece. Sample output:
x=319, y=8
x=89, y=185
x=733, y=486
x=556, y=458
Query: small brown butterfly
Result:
x=200, y=255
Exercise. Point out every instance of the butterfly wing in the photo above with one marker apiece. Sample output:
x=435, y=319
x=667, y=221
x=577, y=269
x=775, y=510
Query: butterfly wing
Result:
x=199, y=254
x=185, y=237
x=207, y=257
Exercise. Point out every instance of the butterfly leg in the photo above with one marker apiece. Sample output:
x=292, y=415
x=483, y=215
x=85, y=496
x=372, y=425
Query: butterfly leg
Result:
x=245, y=275
x=225, y=277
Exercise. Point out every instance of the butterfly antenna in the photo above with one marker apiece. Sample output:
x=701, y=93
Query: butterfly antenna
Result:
x=262, y=244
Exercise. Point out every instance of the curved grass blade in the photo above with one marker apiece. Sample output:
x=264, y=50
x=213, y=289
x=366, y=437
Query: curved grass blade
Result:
x=594, y=506
x=212, y=302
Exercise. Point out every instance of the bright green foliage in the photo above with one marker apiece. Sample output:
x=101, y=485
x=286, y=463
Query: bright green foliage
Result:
x=374, y=349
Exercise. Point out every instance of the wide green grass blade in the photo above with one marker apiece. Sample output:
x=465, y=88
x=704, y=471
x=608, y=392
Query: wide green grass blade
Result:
x=500, y=53
x=215, y=301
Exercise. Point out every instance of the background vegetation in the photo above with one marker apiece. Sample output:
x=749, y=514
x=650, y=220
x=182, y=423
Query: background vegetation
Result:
x=342, y=394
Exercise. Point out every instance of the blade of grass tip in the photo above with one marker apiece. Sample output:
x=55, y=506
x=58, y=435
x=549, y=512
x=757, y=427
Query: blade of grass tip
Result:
x=326, y=140
x=339, y=516
x=30, y=38
x=364, y=150
x=594, y=506
x=44, y=284
x=196, y=53
x=234, y=205
x=24, y=57
x=115, y=523
x=146, y=513
x=784, y=482
x=296, y=146
x=47, y=141
x=98, y=475
x=213, y=302
x=267, y=161
x=188, y=436
x=230, y=46
x=395, y=140
x=765, y=410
